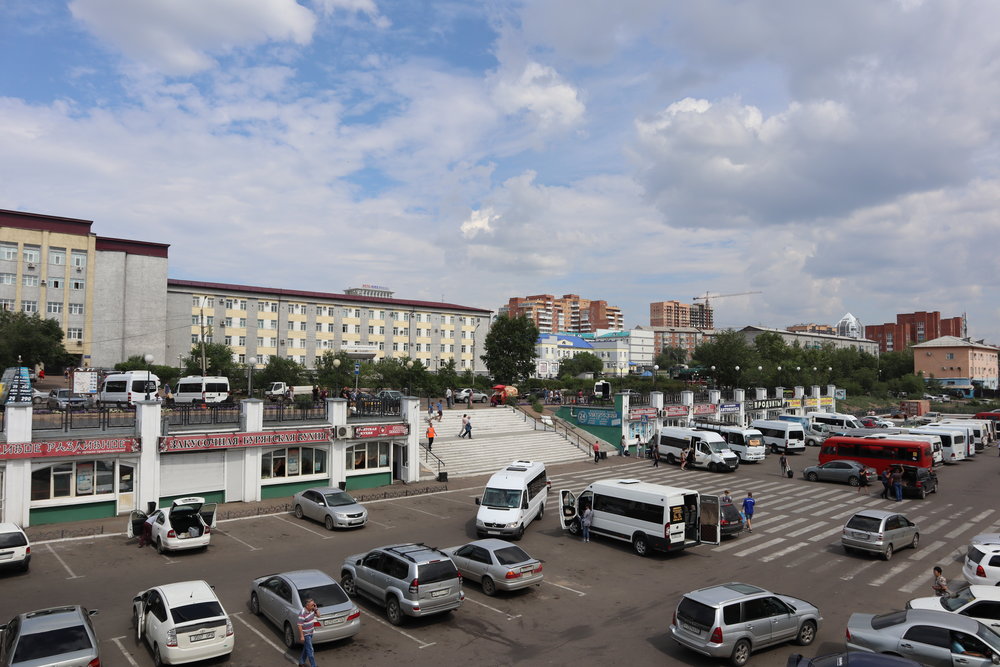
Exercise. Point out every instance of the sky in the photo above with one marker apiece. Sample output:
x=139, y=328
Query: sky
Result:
x=831, y=157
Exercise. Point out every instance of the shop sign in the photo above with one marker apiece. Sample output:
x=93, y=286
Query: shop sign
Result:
x=675, y=410
x=592, y=417
x=184, y=443
x=793, y=402
x=635, y=414
x=824, y=400
x=381, y=431
x=49, y=448
x=729, y=407
x=766, y=404
x=705, y=408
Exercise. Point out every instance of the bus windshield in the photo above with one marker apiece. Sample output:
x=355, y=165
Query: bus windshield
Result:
x=502, y=498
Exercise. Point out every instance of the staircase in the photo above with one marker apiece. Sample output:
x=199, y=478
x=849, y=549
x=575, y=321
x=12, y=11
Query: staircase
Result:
x=499, y=436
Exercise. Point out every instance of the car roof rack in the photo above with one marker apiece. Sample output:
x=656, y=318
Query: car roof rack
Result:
x=405, y=550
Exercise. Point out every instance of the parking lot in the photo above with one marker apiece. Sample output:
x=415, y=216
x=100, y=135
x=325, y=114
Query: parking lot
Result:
x=599, y=602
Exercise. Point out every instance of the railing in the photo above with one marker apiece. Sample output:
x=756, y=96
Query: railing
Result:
x=428, y=454
x=187, y=415
x=569, y=432
x=285, y=412
x=638, y=399
x=376, y=407
x=82, y=419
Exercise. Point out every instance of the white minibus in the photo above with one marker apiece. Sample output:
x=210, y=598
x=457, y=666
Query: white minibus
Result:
x=513, y=498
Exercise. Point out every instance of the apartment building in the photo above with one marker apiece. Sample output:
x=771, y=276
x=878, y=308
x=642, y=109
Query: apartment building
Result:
x=813, y=328
x=568, y=314
x=912, y=328
x=552, y=349
x=685, y=338
x=959, y=364
x=262, y=322
x=107, y=294
x=677, y=314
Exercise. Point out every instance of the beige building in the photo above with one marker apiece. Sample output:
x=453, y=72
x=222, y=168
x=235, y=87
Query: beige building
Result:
x=566, y=314
x=677, y=314
x=959, y=364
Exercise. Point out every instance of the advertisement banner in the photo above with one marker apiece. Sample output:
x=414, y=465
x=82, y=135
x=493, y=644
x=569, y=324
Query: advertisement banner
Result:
x=381, y=431
x=793, y=402
x=729, y=408
x=186, y=443
x=704, y=408
x=675, y=410
x=49, y=448
x=635, y=414
x=85, y=382
x=813, y=403
x=592, y=417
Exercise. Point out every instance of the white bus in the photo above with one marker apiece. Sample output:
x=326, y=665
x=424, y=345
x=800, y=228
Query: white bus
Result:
x=513, y=498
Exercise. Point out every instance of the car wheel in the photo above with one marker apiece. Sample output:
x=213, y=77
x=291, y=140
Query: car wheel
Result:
x=853, y=480
x=916, y=541
x=519, y=534
x=741, y=653
x=774, y=449
x=347, y=583
x=135, y=624
x=328, y=522
x=157, y=660
x=393, y=612
x=489, y=587
x=888, y=552
x=159, y=546
x=298, y=511
x=812, y=477
x=640, y=545
x=711, y=467
x=254, y=604
x=574, y=527
x=288, y=636
x=807, y=633
x=541, y=512
x=923, y=493
x=670, y=459
x=482, y=400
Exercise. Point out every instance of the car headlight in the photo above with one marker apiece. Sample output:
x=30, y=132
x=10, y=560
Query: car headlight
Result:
x=512, y=525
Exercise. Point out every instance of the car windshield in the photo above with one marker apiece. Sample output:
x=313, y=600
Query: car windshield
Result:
x=989, y=636
x=8, y=540
x=512, y=554
x=339, y=499
x=54, y=642
x=502, y=498
x=867, y=523
x=718, y=447
x=325, y=596
x=196, y=611
x=955, y=600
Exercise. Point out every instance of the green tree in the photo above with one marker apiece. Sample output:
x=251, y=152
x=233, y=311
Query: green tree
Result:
x=333, y=376
x=278, y=369
x=510, y=349
x=218, y=361
x=727, y=350
x=671, y=356
x=34, y=340
x=167, y=374
x=582, y=362
x=895, y=364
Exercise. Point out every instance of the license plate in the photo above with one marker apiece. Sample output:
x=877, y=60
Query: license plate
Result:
x=440, y=593
x=202, y=637
x=333, y=621
x=356, y=522
x=493, y=532
x=527, y=568
x=691, y=628
x=861, y=536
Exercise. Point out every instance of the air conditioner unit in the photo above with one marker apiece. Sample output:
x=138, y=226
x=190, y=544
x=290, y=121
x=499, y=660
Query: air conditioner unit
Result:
x=43, y=283
x=79, y=269
x=342, y=432
x=31, y=267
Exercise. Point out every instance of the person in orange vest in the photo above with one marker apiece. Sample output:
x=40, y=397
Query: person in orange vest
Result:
x=430, y=436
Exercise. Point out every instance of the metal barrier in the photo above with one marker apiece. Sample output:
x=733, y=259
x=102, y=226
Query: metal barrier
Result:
x=376, y=407
x=80, y=419
x=286, y=412
x=186, y=415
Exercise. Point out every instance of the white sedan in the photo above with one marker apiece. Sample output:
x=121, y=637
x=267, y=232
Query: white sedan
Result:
x=979, y=602
x=186, y=524
x=182, y=622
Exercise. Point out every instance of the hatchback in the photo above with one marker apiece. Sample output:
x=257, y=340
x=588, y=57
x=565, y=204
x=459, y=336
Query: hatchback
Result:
x=182, y=622
x=331, y=507
x=879, y=532
x=730, y=520
x=982, y=564
x=280, y=598
x=15, y=550
x=496, y=565
x=733, y=620
x=60, y=636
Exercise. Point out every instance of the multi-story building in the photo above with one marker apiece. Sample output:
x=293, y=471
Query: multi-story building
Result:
x=812, y=328
x=639, y=345
x=912, y=328
x=677, y=314
x=812, y=340
x=552, y=349
x=959, y=364
x=261, y=322
x=107, y=294
x=685, y=338
x=569, y=313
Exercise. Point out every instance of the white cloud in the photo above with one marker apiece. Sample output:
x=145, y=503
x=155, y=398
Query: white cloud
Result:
x=478, y=223
x=179, y=37
x=539, y=91
x=366, y=7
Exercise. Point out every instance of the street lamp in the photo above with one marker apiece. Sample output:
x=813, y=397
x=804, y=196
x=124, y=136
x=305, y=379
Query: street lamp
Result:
x=409, y=367
x=656, y=370
x=251, y=362
x=149, y=360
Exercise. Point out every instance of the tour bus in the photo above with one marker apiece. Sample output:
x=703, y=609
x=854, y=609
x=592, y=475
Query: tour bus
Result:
x=878, y=453
x=649, y=516
x=513, y=498
x=748, y=443
x=953, y=446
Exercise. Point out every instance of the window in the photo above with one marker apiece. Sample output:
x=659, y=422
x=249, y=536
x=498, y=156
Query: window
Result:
x=228, y=340
x=78, y=258
x=74, y=333
x=53, y=307
x=293, y=462
x=210, y=320
x=76, y=309
x=368, y=455
x=73, y=479
x=195, y=320
x=243, y=323
x=29, y=280
x=6, y=304
x=29, y=306
x=8, y=278
x=8, y=251
x=77, y=284
x=243, y=340
x=32, y=253
x=196, y=301
x=227, y=322
x=260, y=323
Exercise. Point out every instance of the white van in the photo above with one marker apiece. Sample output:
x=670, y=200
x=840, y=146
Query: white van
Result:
x=127, y=388
x=710, y=449
x=953, y=441
x=748, y=443
x=936, y=443
x=968, y=429
x=202, y=389
x=981, y=430
x=649, y=516
x=513, y=498
x=781, y=436
x=835, y=419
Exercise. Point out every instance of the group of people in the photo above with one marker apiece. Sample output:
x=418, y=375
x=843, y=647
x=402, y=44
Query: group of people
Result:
x=892, y=483
x=464, y=432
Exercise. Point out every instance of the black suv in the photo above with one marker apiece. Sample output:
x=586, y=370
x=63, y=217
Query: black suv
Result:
x=918, y=482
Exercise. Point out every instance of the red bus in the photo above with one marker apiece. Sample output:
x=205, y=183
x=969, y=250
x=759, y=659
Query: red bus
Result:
x=877, y=453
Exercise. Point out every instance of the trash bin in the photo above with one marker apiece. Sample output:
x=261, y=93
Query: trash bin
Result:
x=342, y=485
x=604, y=455
x=442, y=476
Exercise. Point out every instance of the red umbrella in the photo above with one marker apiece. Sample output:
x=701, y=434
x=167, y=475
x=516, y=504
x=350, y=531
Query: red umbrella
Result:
x=498, y=387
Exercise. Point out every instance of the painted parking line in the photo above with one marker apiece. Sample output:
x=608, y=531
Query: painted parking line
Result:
x=72, y=575
x=267, y=640
x=121, y=647
x=571, y=590
x=499, y=611
x=299, y=525
x=436, y=516
x=422, y=644
x=380, y=525
x=233, y=537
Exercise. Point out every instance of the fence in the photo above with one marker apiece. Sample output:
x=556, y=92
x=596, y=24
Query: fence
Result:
x=187, y=415
x=286, y=412
x=376, y=407
x=80, y=419
x=560, y=427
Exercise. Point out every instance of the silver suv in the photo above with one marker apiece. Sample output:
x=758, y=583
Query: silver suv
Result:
x=733, y=620
x=408, y=579
x=879, y=532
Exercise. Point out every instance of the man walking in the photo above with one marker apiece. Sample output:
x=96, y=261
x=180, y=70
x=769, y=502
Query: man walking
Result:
x=468, y=427
x=783, y=462
x=307, y=624
x=431, y=434
x=748, y=507
x=448, y=397
x=597, y=452
x=656, y=454
x=897, y=483
x=939, y=584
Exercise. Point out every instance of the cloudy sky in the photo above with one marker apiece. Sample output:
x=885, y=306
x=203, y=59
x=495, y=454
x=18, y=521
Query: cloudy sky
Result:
x=834, y=156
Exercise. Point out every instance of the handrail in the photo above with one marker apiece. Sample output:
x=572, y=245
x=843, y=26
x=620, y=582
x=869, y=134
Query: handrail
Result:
x=437, y=458
x=570, y=432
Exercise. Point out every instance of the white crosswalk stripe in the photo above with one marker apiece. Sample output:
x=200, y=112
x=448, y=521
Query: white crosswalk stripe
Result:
x=759, y=547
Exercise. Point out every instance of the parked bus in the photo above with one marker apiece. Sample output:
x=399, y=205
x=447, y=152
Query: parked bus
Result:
x=877, y=453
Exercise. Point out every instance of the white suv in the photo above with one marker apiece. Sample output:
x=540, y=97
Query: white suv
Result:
x=15, y=550
x=982, y=564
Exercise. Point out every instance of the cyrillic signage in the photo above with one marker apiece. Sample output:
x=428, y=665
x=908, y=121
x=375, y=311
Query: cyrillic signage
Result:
x=592, y=417
x=185, y=443
x=729, y=407
x=50, y=448
x=675, y=410
x=766, y=404
x=381, y=431
x=635, y=414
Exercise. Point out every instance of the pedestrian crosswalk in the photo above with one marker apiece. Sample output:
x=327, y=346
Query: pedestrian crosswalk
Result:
x=798, y=524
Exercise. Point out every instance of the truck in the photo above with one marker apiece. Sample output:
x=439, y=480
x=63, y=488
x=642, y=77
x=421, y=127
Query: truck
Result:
x=278, y=391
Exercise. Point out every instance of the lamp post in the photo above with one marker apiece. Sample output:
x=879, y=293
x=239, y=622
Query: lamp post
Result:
x=409, y=367
x=149, y=361
x=251, y=363
x=656, y=370
x=738, y=378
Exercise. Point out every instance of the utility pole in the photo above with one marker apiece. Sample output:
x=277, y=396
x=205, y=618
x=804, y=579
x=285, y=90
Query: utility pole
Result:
x=202, y=324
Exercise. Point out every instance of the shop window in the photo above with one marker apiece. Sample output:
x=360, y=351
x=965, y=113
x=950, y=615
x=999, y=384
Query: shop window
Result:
x=292, y=462
x=73, y=479
x=368, y=455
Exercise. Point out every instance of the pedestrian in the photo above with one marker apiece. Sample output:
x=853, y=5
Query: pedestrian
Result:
x=897, y=483
x=725, y=498
x=783, y=462
x=748, y=508
x=307, y=624
x=431, y=433
x=656, y=455
x=585, y=518
x=448, y=397
x=884, y=478
x=597, y=452
x=690, y=461
x=468, y=399
x=638, y=445
x=684, y=458
x=440, y=412
x=863, y=481
x=315, y=394
x=430, y=410
x=624, y=447
x=468, y=427
x=146, y=535
x=323, y=394
x=939, y=583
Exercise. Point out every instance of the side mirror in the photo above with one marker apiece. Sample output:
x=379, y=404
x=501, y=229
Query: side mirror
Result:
x=93, y=612
x=137, y=598
x=478, y=502
x=357, y=562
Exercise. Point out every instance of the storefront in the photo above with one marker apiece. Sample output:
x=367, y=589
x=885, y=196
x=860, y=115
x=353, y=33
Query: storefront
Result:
x=376, y=455
x=641, y=423
x=70, y=480
x=764, y=408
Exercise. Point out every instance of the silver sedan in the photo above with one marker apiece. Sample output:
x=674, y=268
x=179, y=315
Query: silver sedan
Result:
x=496, y=564
x=331, y=507
x=845, y=472
x=280, y=598
x=935, y=638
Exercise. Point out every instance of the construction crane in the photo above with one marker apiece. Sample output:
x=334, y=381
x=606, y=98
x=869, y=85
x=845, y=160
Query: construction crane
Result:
x=707, y=298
